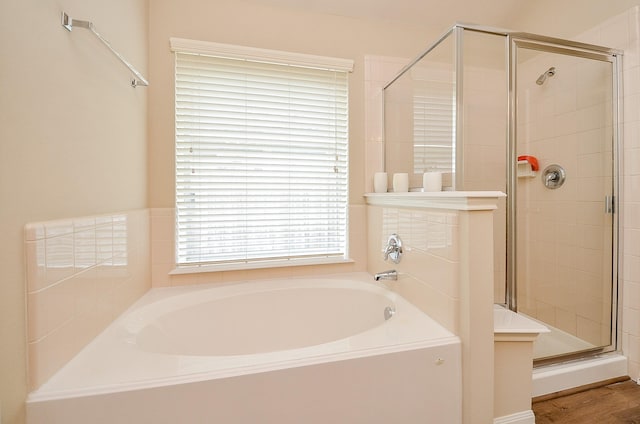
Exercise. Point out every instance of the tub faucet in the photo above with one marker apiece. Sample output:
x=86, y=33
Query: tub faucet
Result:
x=391, y=274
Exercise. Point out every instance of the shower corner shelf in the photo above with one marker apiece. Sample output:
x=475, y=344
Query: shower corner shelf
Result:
x=525, y=170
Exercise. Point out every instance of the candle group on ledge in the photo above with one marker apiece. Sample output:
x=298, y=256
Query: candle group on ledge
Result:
x=431, y=181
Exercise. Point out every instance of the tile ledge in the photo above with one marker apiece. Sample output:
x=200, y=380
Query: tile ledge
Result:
x=453, y=200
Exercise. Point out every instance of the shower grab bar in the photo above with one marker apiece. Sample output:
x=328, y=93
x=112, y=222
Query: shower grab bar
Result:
x=68, y=23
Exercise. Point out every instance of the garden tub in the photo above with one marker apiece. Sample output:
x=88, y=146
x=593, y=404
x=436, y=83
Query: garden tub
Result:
x=340, y=349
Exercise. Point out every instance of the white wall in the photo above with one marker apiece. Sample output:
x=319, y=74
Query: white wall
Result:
x=567, y=18
x=72, y=140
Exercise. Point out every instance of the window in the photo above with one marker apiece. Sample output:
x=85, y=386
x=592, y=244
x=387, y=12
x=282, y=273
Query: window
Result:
x=261, y=156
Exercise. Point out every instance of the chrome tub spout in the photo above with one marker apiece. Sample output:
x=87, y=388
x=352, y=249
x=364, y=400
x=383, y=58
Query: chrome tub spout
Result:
x=391, y=274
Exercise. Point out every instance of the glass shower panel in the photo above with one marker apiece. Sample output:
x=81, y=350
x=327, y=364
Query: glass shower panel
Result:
x=484, y=132
x=420, y=117
x=564, y=228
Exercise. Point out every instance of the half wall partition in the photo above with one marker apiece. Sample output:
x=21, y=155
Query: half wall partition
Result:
x=516, y=112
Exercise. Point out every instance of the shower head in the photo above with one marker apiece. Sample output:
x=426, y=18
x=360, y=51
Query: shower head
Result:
x=548, y=73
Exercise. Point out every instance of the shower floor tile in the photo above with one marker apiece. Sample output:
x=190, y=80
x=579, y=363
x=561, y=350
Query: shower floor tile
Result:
x=557, y=343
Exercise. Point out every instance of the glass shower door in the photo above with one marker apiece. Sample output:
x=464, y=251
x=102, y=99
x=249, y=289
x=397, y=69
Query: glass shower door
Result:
x=564, y=196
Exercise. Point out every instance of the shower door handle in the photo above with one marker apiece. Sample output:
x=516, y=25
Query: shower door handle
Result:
x=609, y=204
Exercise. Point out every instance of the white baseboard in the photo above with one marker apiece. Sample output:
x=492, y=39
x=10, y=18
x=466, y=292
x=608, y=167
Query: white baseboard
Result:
x=524, y=417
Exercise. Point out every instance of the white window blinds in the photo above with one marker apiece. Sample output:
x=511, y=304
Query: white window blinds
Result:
x=433, y=127
x=261, y=161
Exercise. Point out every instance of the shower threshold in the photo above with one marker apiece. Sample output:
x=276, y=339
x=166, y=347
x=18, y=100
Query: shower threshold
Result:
x=571, y=374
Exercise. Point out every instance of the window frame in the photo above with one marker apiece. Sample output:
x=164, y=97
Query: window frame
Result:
x=276, y=57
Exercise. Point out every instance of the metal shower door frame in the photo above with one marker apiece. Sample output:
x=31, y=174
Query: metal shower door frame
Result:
x=582, y=50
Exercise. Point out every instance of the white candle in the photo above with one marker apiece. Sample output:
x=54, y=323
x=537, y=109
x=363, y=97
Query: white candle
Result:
x=432, y=181
x=380, y=182
x=400, y=182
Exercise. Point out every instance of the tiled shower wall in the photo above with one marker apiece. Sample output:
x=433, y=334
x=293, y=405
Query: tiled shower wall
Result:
x=564, y=269
x=81, y=274
x=623, y=32
x=580, y=310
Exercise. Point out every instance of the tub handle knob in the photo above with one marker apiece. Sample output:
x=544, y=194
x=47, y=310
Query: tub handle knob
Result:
x=388, y=313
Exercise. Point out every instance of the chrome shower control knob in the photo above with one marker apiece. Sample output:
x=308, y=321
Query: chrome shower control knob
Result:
x=553, y=176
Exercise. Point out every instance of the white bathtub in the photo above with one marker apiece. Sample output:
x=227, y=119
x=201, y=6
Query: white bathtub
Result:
x=279, y=351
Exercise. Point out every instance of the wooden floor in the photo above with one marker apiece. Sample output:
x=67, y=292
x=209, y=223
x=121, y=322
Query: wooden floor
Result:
x=617, y=403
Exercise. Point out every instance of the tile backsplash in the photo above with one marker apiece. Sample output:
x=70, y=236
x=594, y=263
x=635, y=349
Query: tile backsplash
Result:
x=81, y=274
x=430, y=263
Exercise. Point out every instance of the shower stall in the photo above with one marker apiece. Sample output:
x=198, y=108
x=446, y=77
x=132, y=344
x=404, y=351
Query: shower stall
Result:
x=537, y=118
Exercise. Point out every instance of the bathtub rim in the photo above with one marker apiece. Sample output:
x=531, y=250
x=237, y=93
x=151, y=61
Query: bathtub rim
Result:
x=43, y=396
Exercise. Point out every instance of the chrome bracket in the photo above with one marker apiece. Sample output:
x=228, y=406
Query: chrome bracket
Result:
x=67, y=22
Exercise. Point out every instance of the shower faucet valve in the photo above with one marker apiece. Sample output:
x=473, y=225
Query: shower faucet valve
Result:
x=393, y=250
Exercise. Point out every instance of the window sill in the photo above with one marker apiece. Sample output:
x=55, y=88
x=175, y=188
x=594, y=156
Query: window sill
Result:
x=281, y=263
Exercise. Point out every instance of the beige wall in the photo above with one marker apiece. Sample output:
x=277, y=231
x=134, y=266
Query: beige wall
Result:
x=72, y=140
x=566, y=19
